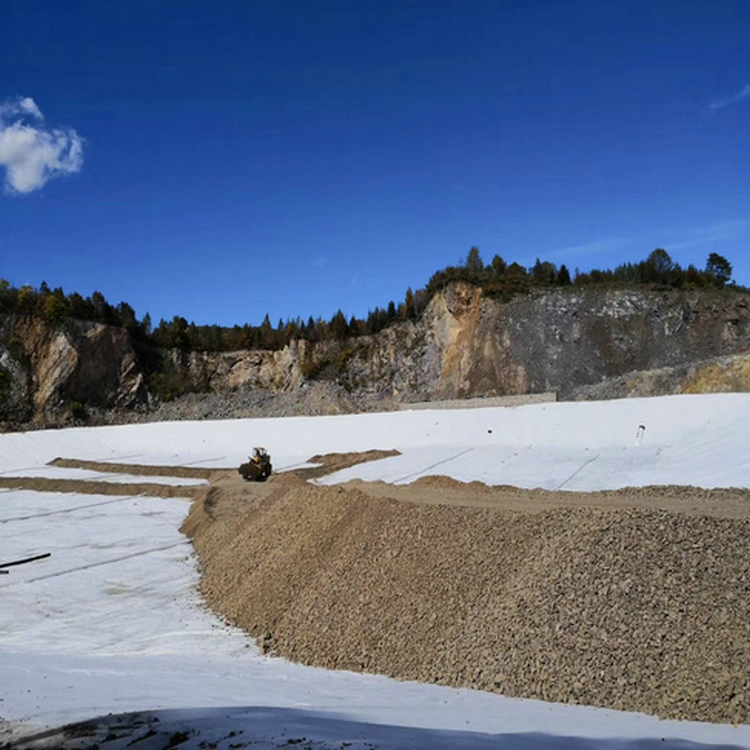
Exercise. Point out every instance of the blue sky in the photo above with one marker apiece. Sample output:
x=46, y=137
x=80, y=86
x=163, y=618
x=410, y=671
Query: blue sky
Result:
x=223, y=160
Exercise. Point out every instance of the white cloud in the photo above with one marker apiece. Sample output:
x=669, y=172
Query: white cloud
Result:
x=595, y=247
x=27, y=104
x=31, y=153
x=727, y=100
x=712, y=234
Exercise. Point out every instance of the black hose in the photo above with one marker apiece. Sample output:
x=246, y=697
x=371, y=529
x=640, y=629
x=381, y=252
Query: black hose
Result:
x=21, y=562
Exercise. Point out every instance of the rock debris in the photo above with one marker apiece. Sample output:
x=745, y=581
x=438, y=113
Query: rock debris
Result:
x=634, y=606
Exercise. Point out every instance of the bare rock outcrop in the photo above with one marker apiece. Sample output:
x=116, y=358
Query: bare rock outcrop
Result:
x=468, y=345
x=580, y=342
x=223, y=372
x=55, y=369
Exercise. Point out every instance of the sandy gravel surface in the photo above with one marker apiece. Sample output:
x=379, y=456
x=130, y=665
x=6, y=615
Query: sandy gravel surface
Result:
x=442, y=490
x=95, y=487
x=635, y=599
x=190, y=472
x=99, y=487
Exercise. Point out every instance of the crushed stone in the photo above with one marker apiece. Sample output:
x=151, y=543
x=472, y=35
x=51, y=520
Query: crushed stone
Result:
x=631, y=606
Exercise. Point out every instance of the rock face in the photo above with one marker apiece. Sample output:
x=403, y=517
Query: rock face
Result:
x=590, y=342
x=250, y=370
x=53, y=371
x=564, y=341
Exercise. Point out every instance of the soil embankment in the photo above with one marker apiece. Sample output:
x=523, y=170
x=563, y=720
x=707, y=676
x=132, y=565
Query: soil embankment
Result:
x=183, y=472
x=101, y=487
x=637, y=599
x=97, y=487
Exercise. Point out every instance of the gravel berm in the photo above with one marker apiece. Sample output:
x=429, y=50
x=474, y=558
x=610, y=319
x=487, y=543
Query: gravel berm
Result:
x=630, y=604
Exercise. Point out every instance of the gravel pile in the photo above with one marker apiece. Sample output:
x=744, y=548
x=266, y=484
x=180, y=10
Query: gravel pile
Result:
x=631, y=608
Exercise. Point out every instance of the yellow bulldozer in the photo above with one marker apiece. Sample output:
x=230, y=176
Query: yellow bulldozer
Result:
x=258, y=466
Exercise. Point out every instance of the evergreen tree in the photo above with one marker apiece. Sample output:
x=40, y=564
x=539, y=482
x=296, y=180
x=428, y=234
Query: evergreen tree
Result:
x=499, y=266
x=719, y=269
x=338, y=326
x=267, y=338
x=659, y=266
x=563, y=276
x=409, y=309
x=474, y=261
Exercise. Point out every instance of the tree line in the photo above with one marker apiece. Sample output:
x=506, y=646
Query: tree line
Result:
x=55, y=306
x=497, y=279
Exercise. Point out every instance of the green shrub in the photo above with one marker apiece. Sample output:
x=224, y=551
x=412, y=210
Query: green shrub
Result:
x=6, y=382
x=78, y=411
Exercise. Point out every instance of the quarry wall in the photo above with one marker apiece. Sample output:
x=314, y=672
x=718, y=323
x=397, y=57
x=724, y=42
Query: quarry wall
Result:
x=577, y=342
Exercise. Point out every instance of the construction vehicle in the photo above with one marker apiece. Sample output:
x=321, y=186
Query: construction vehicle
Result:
x=258, y=466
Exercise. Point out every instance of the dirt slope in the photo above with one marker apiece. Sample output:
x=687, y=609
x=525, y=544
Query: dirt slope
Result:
x=636, y=599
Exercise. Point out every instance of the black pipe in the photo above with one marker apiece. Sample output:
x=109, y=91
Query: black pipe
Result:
x=21, y=562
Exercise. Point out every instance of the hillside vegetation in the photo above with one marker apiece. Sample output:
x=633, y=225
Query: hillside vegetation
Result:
x=497, y=279
x=476, y=329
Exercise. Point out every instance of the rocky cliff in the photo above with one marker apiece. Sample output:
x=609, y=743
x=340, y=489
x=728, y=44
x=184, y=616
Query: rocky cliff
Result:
x=49, y=372
x=593, y=342
x=567, y=341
